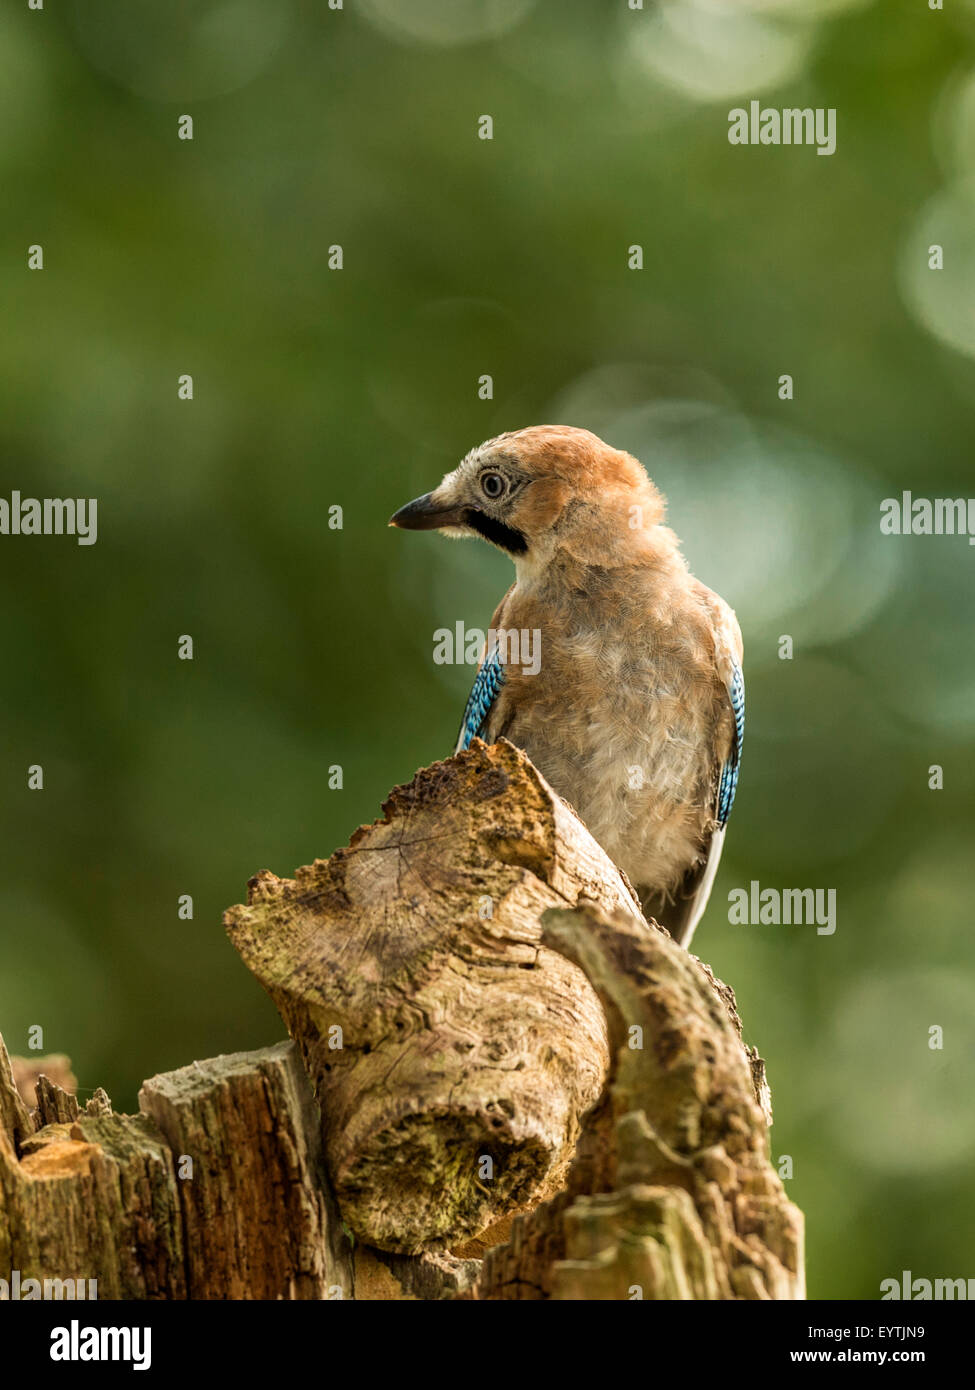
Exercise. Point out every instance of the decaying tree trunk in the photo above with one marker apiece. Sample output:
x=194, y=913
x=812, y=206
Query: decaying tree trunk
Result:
x=524, y=1090
x=216, y=1190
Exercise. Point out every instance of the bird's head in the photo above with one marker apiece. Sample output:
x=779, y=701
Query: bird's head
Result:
x=530, y=490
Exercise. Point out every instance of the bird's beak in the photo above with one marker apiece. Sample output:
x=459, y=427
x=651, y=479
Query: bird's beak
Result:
x=426, y=514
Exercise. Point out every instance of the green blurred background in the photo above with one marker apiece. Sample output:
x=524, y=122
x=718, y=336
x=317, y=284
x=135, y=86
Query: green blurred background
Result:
x=358, y=387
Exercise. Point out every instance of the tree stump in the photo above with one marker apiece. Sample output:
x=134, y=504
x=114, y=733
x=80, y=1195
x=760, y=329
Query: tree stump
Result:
x=524, y=1091
x=452, y=1052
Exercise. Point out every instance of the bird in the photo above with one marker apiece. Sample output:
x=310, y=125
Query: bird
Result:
x=634, y=710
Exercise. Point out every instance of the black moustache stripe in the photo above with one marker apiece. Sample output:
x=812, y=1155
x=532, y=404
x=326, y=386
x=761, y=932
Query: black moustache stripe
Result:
x=496, y=532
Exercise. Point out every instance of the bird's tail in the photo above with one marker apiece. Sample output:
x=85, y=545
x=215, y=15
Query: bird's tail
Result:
x=681, y=911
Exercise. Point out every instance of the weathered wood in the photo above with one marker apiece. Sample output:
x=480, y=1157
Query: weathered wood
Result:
x=217, y=1190
x=258, y=1216
x=93, y=1200
x=470, y=980
x=55, y=1106
x=16, y=1122
x=381, y=1276
x=55, y=1066
x=453, y=1054
x=672, y=1194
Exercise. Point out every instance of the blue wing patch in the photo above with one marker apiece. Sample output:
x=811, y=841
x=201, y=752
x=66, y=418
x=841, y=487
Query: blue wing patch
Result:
x=729, y=773
x=487, y=683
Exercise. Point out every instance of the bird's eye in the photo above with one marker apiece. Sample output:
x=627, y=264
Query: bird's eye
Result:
x=492, y=484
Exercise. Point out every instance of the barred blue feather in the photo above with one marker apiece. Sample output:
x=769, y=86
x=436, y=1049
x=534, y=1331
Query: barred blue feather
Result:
x=729, y=773
x=487, y=683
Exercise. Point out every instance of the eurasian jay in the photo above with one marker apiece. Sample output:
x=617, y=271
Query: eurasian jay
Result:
x=636, y=713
